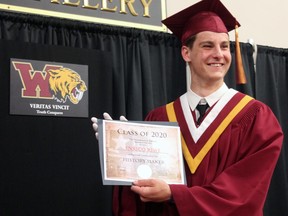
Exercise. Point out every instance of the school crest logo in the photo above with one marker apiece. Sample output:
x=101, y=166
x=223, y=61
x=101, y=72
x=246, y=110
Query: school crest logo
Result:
x=48, y=88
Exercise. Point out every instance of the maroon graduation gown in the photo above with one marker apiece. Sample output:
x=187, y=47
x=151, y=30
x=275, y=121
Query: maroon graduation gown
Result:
x=232, y=179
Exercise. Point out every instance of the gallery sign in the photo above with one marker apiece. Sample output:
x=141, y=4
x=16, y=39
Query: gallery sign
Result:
x=144, y=14
x=48, y=88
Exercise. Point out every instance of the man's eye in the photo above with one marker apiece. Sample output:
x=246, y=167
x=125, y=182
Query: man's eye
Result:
x=225, y=46
x=207, y=46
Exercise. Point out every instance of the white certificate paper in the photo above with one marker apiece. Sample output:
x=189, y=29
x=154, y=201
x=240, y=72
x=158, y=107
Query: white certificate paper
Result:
x=140, y=150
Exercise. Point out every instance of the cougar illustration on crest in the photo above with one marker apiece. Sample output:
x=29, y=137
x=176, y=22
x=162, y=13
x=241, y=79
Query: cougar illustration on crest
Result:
x=66, y=83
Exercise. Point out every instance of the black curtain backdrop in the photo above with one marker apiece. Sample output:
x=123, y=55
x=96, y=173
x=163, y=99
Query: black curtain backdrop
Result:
x=272, y=88
x=147, y=71
x=50, y=166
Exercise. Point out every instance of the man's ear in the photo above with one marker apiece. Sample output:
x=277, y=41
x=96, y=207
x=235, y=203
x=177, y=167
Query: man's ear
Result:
x=185, y=51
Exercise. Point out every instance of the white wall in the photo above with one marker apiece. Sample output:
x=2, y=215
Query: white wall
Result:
x=264, y=21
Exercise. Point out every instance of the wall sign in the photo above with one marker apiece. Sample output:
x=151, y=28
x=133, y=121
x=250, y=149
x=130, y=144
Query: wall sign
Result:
x=48, y=88
x=144, y=14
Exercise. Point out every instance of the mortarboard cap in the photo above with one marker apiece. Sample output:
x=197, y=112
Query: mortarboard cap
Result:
x=206, y=15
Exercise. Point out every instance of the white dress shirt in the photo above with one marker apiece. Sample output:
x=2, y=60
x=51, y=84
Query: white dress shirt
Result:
x=194, y=99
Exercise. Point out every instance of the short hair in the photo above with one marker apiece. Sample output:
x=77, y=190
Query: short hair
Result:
x=190, y=41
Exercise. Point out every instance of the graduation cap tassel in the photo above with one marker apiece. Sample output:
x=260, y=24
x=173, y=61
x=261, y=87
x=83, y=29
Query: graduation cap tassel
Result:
x=240, y=73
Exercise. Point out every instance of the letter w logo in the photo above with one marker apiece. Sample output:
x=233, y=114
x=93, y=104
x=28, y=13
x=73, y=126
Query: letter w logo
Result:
x=35, y=83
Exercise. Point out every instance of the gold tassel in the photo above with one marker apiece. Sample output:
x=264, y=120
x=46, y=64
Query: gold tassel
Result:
x=240, y=73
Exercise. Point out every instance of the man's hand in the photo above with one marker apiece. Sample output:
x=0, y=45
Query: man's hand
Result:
x=152, y=190
x=106, y=116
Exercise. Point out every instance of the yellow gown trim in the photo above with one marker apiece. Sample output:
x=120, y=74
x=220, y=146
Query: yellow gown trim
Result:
x=193, y=163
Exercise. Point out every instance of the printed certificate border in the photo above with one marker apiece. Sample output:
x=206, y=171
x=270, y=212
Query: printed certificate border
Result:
x=107, y=181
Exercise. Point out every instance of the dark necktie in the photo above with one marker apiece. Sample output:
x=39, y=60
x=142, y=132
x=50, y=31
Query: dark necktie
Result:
x=202, y=109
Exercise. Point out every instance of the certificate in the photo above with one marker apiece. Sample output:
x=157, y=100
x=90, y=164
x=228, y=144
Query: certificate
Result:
x=140, y=150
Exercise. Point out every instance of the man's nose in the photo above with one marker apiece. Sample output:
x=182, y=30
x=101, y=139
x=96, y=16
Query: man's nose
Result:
x=217, y=52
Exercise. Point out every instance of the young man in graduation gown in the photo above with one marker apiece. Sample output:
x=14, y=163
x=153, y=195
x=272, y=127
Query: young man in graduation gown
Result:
x=231, y=152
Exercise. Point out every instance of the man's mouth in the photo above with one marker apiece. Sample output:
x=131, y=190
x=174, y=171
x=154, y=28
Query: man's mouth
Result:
x=216, y=65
